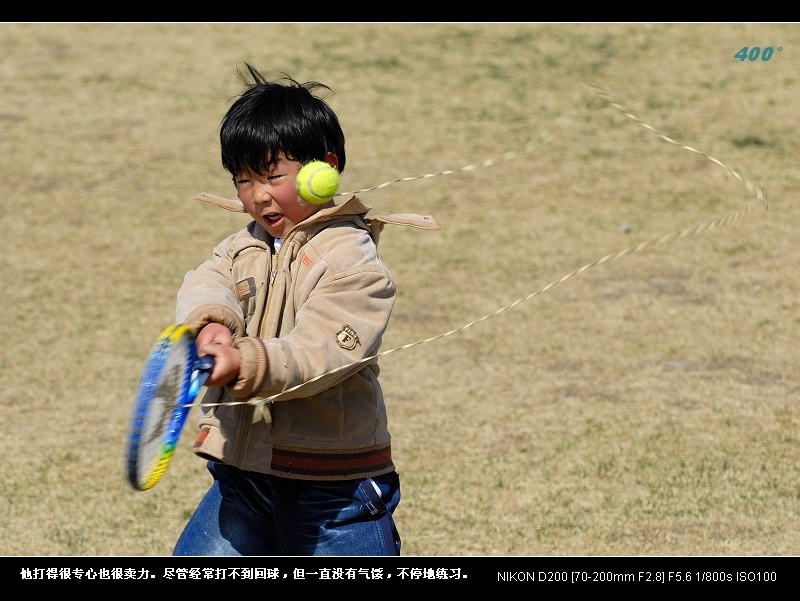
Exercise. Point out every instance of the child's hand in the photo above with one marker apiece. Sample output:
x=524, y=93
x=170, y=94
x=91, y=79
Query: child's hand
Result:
x=227, y=361
x=216, y=340
x=214, y=333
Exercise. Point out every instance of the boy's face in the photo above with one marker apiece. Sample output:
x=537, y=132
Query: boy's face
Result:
x=272, y=199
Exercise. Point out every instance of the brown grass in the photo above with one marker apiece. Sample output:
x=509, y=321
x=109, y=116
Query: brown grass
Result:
x=644, y=406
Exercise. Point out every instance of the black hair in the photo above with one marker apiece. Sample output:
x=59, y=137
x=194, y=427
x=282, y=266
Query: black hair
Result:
x=273, y=117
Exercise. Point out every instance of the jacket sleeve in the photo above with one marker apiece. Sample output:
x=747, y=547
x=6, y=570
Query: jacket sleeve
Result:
x=208, y=294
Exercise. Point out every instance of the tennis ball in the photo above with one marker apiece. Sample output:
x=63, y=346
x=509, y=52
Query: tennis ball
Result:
x=317, y=182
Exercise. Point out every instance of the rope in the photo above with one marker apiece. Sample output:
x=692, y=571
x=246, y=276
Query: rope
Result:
x=759, y=199
x=529, y=148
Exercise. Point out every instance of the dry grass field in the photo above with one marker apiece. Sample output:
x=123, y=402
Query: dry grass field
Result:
x=641, y=399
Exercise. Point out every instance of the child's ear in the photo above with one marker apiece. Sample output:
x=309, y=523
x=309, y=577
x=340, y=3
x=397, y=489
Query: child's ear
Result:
x=332, y=160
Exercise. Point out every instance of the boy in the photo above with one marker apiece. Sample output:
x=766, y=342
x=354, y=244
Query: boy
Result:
x=297, y=293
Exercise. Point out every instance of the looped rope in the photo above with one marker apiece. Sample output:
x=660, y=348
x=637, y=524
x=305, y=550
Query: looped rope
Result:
x=760, y=198
x=529, y=148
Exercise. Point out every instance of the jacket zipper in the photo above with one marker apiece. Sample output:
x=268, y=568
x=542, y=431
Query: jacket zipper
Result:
x=245, y=434
x=276, y=261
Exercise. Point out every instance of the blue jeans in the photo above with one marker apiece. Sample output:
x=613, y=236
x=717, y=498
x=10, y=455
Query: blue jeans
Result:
x=246, y=513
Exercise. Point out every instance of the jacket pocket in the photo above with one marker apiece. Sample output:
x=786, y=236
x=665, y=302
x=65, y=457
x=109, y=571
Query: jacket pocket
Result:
x=249, y=270
x=291, y=423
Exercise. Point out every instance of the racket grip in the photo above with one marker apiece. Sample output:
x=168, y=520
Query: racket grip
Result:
x=202, y=369
x=204, y=363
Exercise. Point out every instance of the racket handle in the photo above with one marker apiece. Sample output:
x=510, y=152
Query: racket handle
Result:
x=204, y=363
x=202, y=369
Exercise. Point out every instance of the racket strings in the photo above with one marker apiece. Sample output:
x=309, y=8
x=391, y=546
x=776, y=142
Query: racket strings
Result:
x=165, y=400
x=759, y=198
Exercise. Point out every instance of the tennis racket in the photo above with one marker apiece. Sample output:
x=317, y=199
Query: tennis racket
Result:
x=172, y=378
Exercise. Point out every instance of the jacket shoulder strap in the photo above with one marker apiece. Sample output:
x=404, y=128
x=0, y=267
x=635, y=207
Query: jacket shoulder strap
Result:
x=378, y=222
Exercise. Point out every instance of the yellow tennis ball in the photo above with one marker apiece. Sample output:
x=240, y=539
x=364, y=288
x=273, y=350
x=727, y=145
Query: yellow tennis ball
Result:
x=317, y=182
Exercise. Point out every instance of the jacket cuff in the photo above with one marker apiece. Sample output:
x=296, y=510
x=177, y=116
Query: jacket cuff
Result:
x=253, y=368
x=202, y=316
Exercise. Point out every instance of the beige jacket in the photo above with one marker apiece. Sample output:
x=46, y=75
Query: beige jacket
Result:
x=308, y=322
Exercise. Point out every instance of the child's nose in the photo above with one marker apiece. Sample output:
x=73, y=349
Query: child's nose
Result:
x=261, y=196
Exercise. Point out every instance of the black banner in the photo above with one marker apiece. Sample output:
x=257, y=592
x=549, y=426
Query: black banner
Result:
x=404, y=572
